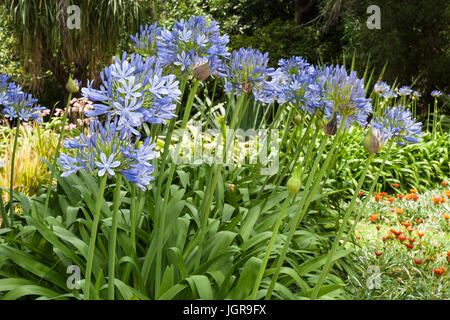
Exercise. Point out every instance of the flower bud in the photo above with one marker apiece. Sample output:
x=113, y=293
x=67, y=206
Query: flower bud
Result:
x=298, y=119
x=330, y=128
x=247, y=87
x=202, y=72
x=371, y=141
x=293, y=185
x=72, y=85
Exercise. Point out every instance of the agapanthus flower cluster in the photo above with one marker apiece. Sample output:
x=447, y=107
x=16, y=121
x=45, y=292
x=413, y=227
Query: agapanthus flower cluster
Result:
x=134, y=90
x=436, y=93
x=383, y=89
x=297, y=84
x=247, y=72
x=397, y=123
x=193, y=46
x=404, y=91
x=106, y=150
x=145, y=40
x=343, y=94
x=18, y=104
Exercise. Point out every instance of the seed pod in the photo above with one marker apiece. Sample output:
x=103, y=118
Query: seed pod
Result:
x=247, y=87
x=202, y=72
x=371, y=142
x=330, y=128
x=298, y=119
x=72, y=86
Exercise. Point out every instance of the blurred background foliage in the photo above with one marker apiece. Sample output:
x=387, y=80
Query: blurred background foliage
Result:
x=414, y=39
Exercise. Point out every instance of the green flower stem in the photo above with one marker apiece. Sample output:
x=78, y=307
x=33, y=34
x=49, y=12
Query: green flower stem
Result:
x=212, y=104
x=94, y=228
x=55, y=159
x=269, y=248
x=133, y=217
x=372, y=187
x=113, y=238
x=11, y=181
x=162, y=216
x=206, y=206
x=306, y=200
x=329, y=262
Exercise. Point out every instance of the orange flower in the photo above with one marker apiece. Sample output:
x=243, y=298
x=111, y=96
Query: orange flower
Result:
x=378, y=198
x=400, y=196
x=413, y=190
x=398, y=211
x=361, y=193
x=418, y=221
x=374, y=217
x=409, y=246
x=358, y=237
x=440, y=271
x=448, y=254
x=438, y=200
x=409, y=196
x=446, y=216
x=444, y=183
x=420, y=234
x=396, y=185
x=390, y=199
x=378, y=227
x=418, y=261
x=402, y=238
x=378, y=254
x=411, y=240
x=415, y=197
x=385, y=238
x=447, y=193
x=410, y=230
x=382, y=194
x=406, y=224
x=397, y=233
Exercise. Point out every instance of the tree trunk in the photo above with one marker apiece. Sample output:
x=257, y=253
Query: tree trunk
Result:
x=302, y=8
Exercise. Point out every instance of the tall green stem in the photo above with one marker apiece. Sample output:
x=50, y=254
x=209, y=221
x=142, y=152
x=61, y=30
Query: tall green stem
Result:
x=304, y=204
x=162, y=215
x=133, y=217
x=55, y=159
x=113, y=238
x=271, y=243
x=94, y=228
x=349, y=210
x=372, y=187
x=11, y=181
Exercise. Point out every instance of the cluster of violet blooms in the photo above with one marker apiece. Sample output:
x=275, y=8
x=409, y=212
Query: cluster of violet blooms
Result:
x=143, y=88
x=18, y=104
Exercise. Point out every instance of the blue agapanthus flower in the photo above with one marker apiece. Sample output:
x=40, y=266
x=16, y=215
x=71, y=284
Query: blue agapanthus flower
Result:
x=193, y=46
x=145, y=40
x=297, y=84
x=134, y=90
x=343, y=94
x=383, y=89
x=18, y=104
x=107, y=150
x=397, y=123
x=247, y=72
x=404, y=91
x=436, y=93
